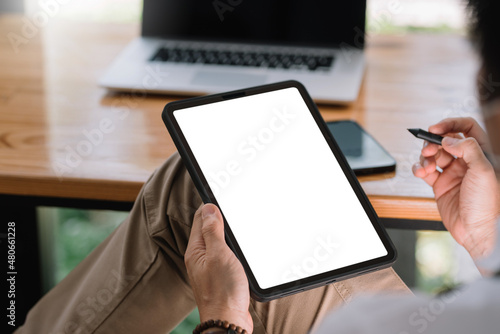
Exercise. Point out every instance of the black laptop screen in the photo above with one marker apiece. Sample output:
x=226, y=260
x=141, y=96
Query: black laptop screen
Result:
x=325, y=23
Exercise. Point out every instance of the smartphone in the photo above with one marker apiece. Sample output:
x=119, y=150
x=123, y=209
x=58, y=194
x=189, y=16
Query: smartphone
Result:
x=364, y=154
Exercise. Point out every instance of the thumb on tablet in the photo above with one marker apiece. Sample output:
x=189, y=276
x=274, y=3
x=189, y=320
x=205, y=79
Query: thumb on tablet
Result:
x=213, y=226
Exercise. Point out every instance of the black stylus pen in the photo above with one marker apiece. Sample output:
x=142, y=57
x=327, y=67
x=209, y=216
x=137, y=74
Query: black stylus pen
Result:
x=430, y=137
x=436, y=139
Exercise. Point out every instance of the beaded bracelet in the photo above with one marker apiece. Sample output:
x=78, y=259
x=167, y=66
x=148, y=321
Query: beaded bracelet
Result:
x=231, y=328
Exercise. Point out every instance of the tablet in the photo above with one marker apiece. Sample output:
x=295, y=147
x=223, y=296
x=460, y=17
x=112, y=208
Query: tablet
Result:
x=294, y=212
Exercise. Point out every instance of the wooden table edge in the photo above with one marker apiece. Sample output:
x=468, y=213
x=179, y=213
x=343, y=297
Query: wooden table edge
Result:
x=395, y=207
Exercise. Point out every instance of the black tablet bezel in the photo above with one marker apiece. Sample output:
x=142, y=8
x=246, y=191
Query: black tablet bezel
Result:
x=208, y=197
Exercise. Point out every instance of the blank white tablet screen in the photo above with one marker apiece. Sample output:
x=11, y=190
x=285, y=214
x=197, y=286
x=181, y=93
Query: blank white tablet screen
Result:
x=281, y=189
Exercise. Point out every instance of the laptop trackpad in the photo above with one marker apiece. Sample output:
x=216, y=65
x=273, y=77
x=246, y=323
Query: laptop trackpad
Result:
x=214, y=78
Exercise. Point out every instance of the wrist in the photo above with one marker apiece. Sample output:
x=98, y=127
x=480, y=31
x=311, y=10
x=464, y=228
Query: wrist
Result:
x=236, y=317
x=480, y=247
x=232, y=329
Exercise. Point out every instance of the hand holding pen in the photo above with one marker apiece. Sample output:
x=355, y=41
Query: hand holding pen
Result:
x=463, y=182
x=455, y=126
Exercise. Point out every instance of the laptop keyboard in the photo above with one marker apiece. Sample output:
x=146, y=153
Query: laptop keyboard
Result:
x=238, y=58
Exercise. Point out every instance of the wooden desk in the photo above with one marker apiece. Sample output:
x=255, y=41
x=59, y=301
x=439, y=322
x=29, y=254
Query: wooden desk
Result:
x=49, y=98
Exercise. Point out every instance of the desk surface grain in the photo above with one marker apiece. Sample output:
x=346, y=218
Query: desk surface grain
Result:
x=52, y=111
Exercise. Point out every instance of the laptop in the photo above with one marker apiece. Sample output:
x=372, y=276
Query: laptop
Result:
x=198, y=47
